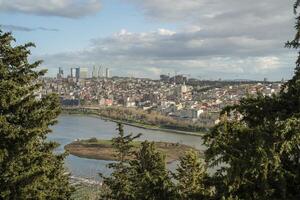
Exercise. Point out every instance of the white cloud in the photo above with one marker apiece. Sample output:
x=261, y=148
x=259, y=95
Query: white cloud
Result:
x=266, y=64
x=174, y=10
x=154, y=70
x=10, y=27
x=62, y=8
x=252, y=18
x=162, y=31
x=149, y=54
x=169, y=10
x=231, y=38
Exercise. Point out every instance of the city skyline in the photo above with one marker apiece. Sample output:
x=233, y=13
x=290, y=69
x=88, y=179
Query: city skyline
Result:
x=209, y=40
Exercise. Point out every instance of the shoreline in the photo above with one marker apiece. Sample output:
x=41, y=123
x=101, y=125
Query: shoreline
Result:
x=66, y=111
x=103, y=150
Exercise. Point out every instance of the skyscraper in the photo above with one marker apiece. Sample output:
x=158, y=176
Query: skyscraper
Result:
x=94, y=72
x=75, y=72
x=99, y=72
x=107, y=73
x=78, y=72
x=60, y=73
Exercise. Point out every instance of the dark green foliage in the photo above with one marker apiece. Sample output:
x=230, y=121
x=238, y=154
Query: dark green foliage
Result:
x=255, y=150
x=145, y=177
x=191, y=177
x=119, y=185
x=28, y=167
x=123, y=144
x=258, y=156
x=256, y=145
x=149, y=175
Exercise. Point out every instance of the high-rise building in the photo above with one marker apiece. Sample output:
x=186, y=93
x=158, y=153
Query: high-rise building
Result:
x=74, y=72
x=99, y=72
x=60, y=73
x=107, y=73
x=77, y=74
x=60, y=70
x=94, y=72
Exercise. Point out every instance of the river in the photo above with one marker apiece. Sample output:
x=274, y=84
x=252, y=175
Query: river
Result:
x=72, y=127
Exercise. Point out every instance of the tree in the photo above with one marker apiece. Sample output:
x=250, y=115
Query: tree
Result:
x=118, y=185
x=139, y=174
x=123, y=144
x=190, y=177
x=256, y=148
x=149, y=175
x=28, y=167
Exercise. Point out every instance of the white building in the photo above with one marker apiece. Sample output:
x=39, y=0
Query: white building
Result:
x=83, y=73
x=107, y=73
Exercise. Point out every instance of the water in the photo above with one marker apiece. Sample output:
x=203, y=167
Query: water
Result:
x=72, y=127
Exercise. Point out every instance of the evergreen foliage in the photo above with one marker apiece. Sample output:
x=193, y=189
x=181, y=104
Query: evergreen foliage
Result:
x=191, y=177
x=149, y=175
x=145, y=177
x=256, y=146
x=28, y=167
x=118, y=185
x=255, y=150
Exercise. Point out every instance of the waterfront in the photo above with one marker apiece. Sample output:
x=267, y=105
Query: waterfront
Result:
x=72, y=127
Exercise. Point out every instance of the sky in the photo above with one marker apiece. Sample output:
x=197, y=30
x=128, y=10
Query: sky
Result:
x=204, y=39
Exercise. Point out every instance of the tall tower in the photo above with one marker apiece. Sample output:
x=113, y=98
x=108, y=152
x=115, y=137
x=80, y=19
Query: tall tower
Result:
x=107, y=73
x=77, y=73
x=60, y=73
x=94, y=72
x=74, y=72
x=99, y=72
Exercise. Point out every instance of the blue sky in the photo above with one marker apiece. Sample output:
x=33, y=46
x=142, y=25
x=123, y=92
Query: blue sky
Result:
x=145, y=38
x=76, y=33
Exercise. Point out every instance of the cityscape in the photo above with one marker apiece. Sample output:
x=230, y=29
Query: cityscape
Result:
x=179, y=97
x=149, y=100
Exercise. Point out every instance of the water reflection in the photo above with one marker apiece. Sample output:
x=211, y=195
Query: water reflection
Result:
x=71, y=127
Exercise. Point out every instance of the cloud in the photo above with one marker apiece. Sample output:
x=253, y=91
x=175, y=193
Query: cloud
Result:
x=169, y=10
x=26, y=29
x=46, y=29
x=188, y=51
x=195, y=10
x=267, y=63
x=181, y=45
x=214, y=38
x=257, y=19
x=61, y=8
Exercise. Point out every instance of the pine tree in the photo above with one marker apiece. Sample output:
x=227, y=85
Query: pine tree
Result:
x=118, y=185
x=149, y=175
x=123, y=144
x=190, y=177
x=28, y=167
x=258, y=156
x=139, y=174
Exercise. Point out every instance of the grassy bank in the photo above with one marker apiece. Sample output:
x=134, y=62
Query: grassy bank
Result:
x=103, y=150
x=141, y=123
